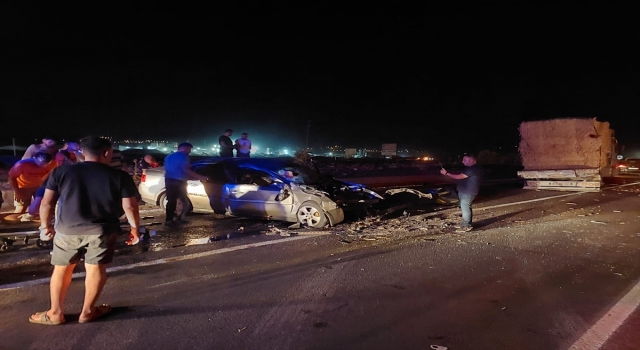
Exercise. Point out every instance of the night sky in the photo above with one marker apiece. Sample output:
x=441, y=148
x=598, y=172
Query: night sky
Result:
x=458, y=77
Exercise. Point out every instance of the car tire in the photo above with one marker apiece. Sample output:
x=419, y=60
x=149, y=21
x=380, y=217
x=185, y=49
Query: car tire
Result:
x=162, y=202
x=311, y=215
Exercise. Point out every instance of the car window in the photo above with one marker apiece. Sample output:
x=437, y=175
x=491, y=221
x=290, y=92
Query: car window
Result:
x=300, y=174
x=252, y=177
x=215, y=172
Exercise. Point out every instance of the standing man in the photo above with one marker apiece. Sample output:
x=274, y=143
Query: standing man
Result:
x=226, y=146
x=243, y=146
x=468, y=185
x=92, y=197
x=177, y=172
x=26, y=176
x=69, y=153
x=48, y=145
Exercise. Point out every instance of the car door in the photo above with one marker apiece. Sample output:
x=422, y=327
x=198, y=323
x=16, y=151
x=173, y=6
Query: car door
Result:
x=255, y=194
x=198, y=196
x=214, y=192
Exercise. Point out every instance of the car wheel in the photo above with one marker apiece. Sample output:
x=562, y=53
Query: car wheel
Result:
x=311, y=215
x=162, y=202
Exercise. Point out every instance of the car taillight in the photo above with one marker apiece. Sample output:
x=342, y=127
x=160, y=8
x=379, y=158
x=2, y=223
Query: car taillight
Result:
x=621, y=166
x=143, y=178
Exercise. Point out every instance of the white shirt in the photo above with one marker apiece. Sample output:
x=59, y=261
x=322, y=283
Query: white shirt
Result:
x=243, y=145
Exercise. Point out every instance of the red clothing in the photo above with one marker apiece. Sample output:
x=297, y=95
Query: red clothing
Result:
x=28, y=174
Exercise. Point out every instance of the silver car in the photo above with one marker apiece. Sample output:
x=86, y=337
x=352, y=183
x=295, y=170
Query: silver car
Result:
x=277, y=189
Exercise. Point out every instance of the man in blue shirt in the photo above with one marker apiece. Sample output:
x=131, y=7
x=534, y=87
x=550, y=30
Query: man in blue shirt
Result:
x=177, y=172
x=468, y=186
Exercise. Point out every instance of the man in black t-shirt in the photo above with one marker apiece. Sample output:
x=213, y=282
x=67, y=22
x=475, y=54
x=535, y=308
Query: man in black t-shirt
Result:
x=91, y=198
x=226, y=146
x=468, y=186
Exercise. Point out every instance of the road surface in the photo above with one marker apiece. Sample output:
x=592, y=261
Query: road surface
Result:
x=543, y=270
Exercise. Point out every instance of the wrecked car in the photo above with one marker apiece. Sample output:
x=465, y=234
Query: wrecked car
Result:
x=278, y=189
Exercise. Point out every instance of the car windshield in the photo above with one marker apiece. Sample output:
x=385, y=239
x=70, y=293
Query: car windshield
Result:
x=296, y=173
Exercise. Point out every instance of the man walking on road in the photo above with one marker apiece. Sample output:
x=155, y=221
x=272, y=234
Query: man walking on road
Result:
x=177, y=172
x=243, y=146
x=91, y=198
x=468, y=185
x=226, y=146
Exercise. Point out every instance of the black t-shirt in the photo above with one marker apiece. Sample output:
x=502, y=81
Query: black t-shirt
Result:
x=471, y=184
x=226, y=146
x=90, y=197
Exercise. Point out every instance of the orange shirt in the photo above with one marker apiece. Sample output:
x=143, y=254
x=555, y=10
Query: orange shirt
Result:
x=29, y=175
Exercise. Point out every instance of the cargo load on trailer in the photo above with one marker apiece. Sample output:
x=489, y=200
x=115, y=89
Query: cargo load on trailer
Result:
x=566, y=154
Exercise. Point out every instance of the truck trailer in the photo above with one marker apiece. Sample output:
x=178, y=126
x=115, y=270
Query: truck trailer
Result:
x=572, y=154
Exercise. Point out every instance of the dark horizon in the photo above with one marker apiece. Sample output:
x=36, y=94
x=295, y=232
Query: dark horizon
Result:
x=434, y=77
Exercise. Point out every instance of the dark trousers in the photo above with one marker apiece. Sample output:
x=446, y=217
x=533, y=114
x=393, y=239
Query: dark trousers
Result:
x=175, y=189
x=243, y=155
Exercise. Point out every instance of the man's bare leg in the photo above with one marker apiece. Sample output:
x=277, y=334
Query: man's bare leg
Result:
x=93, y=284
x=60, y=281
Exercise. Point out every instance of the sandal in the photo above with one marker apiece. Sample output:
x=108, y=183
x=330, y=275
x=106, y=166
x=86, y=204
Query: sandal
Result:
x=43, y=318
x=132, y=240
x=98, y=312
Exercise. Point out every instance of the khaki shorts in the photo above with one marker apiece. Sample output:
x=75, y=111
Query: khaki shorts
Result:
x=96, y=249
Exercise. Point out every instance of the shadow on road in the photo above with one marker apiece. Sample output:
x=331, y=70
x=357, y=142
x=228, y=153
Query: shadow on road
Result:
x=484, y=224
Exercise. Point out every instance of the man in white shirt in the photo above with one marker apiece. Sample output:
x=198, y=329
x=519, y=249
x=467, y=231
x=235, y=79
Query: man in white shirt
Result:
x=243, y=146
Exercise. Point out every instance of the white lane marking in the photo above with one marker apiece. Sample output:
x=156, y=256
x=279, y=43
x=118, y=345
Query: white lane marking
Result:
x=602, y=330
x=224, y=250
x=172, y=259
x=552, y=197
x=528, y=201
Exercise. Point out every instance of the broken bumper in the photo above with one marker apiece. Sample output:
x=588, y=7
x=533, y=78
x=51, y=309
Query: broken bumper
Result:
x=335, y=216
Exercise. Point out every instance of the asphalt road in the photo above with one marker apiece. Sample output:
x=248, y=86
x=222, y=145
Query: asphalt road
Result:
x=535, y=275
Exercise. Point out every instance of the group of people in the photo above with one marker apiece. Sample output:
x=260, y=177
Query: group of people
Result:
x=88, y=197
x=28, y=175
x=242, y=146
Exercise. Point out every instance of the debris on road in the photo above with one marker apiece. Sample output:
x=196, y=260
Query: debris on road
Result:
x=438, y=347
